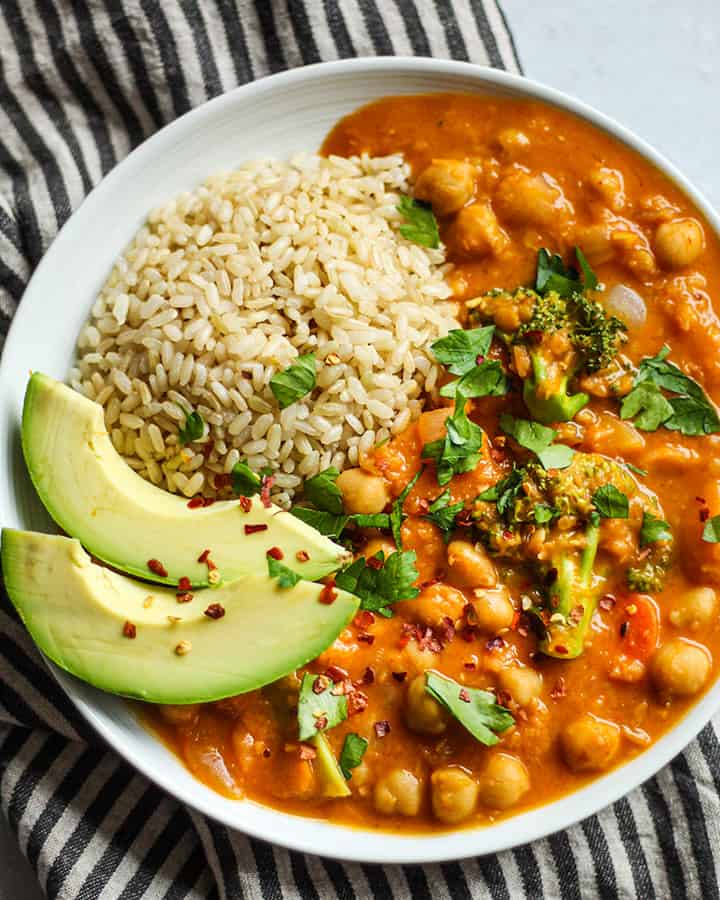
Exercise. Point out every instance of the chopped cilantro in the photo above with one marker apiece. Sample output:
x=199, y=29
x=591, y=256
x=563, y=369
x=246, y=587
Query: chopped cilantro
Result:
x=485, y=380
x=352, y=752
x=319, y=709
x=459, y=350
x=711, y=531
x=286, y=577
x=294, y=382
x=324, y=522
x=543, y=513
x=539, y=440
x=442, y=513
x=397, y=516
x=504, y=492
x=193, y=429
x=647, y=406
x=476, y=710
x=245, y=482
x=421, y=227
x=553, y=275
x=323, y=493
x=459, y=450
x=610, y=503
x=653, y=529
x=370, y=520
x=379, y=588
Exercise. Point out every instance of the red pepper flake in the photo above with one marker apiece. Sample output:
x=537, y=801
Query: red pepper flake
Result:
x=507, y=534
x=403, y=642
x=470, y=614
x=364, y=619
x=399, y=676
x=559, y=690
x=184, y=597
x=336, y=674
x=208, y=501
x=254, y=529
x=215, y=611
x=129, y=630
x=561, y=649
x=607, y=602
x=576, y=614
x=321, y=722
x=624, y=628
x=157, y=568
x=275, y=553
x=204, y=556
x=515, y=620
x=464, y=696
x=302, y=556
x=222, y=480
x=479, y=359
x=357, y=702
x=245, y=504
x=423, y=505
x=495, y=643
x=307, y=752
x=470, y=666
x=195, y=503
x=267, y=753
x=701, y=500
x=704, y=514
x=328, y=595
x=374, y=563
x=267, y=482
x=382, y=728
x=210, y=565
x=468, y=635
x=321, y=684
x=366, y=638
x=184, y=583
x=368, y=676
x=207, y=448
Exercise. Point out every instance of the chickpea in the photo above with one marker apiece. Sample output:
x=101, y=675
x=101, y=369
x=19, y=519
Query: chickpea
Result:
x=454, y=794
x=503, y=781
x=398, y=793
x=493, y=609
x=694, y=608
x=363, y=492
x=522, y=683
x=609, y=185
x=469, y=566
x=589, y=744
x=423, y=714
x=446, y=184
x=180, y=715
x=524, y=199
x=477, y=231
x=679, y=243
x=680, y=668
x=513, y=141
x=436, y=602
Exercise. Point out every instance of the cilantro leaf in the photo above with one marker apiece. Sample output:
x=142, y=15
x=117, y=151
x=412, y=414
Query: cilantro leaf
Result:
x=485, y=380
x=647, y=405
x=397, y=516
x=610, y=502
x=557, y=456
x=711, y=531
x=653, y=529
x=323, y=493
x=245, y=482
x=370, y=520
x=476, y=710
x=590, y=279
x=553, y=275
x=286, y=577
x=459, y=450
x=324, y=522
x=318, y=708
x=504, y=492
x=442, y=513
x=421, y=227
x=294, y=382
x=379, y=588
x=352, y=752
x=459, y=350
x=544, y=513
x=693, y=416
x=539, y=440
x=193, y=429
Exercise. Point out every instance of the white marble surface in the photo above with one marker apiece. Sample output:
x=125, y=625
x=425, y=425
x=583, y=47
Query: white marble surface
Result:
x=651, y=64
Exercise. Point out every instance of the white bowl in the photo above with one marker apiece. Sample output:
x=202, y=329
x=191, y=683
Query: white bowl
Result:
x=275, y=116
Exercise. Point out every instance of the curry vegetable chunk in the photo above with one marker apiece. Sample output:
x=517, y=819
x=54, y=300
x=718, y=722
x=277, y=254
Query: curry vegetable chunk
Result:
x=556, y=489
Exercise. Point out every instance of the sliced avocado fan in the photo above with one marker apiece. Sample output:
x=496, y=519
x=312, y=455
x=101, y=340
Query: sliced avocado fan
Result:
x=141, y=529
x=139, y=641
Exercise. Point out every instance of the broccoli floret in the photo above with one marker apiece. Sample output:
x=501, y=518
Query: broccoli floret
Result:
x=568, y=576
x=553, y=335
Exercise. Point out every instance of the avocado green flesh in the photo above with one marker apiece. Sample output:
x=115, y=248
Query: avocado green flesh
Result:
x=125, y=521
x=75, y=611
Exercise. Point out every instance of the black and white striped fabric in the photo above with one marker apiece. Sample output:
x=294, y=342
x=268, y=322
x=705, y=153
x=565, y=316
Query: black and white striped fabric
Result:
x=81, y=83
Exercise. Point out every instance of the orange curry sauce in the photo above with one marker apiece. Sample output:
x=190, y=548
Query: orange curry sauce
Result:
x=610, y=202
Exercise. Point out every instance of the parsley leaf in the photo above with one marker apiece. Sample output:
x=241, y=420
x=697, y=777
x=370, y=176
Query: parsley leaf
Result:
x=380, y=588
x=590, y=279
x=442, y=513
x=458, y=351
x=476, y=710
x=653, y=529
x=370, y=520
x=324, y=522
x=286, y=577
x=323, y=493
x=422, y=227
x=245, y=482
x=552, y=274
x=539, y=440
x=459, y=450
x=505, y=491
x=647, y=403
x=485, y=380
x=711, y=531
x=397, y=516
x=610, y=503
x=193, y=429
x=318, y=708
x=544, y=513
x=352, y=753
x=693, y=416
x=294, y=382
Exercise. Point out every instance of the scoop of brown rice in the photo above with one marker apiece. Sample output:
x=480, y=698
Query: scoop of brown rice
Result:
x=227, y=284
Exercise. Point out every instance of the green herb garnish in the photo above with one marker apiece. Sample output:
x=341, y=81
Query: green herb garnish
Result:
x=323, y=493
x=318, y=708
x=421, y=227
x=458, y=351
x=245, y=482
x=443, y=513
x=379, y=588
x=485, y=380
x=352, y=753
x=324, y=522
x=610, y=503
x=476, y=710
x=294, y=382
x=286, y=577
x=193, y=429
x=504, y=492
x=539, y=440
x=459, y=450
x=553, y=275
x=544, y=513
x=711, y=531
x=653, y=529
x=397, y=516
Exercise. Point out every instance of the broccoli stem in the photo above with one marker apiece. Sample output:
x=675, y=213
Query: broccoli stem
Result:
x=576, y=600
x=559, y=406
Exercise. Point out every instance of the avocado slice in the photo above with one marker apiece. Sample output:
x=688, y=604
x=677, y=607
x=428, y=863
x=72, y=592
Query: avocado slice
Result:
x=125, y=521
x=76, y=612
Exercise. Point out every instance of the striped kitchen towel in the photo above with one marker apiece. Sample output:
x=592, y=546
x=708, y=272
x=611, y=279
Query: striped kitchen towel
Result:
x=81, y=83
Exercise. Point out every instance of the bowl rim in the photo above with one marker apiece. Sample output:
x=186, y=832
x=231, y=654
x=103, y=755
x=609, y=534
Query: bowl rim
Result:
x=299, y=832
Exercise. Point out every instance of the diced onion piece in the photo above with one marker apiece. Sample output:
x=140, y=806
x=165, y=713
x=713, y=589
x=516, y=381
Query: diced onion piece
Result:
x=625, y=303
